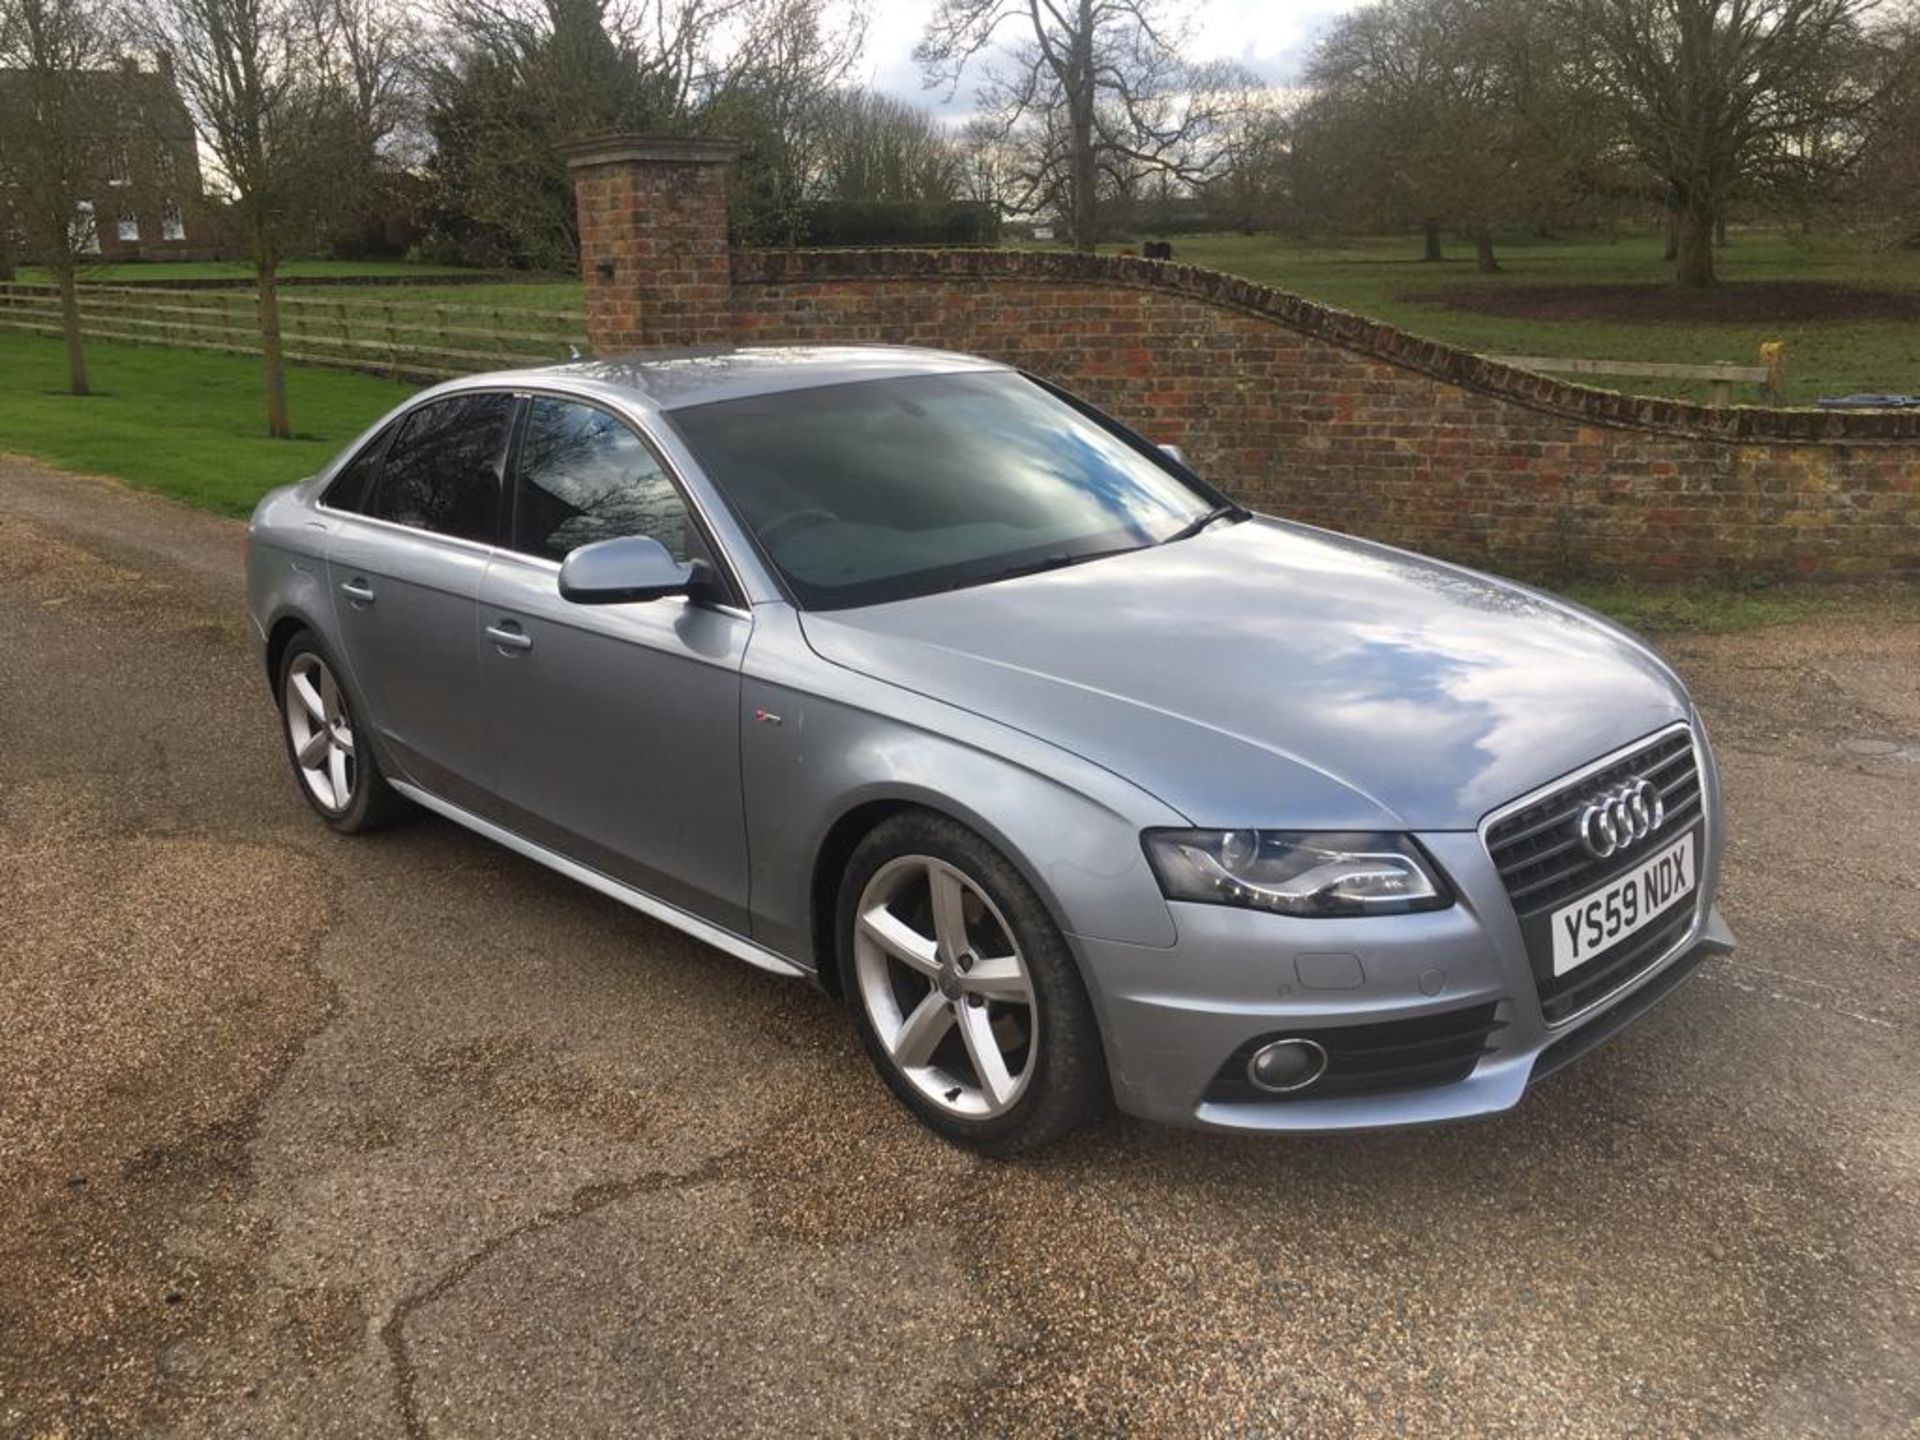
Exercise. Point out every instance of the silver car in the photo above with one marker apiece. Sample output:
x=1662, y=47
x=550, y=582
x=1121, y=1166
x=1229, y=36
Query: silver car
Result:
x=915, y=676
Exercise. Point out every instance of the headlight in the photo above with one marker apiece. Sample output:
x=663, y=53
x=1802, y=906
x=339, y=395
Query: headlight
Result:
x=1293, y=873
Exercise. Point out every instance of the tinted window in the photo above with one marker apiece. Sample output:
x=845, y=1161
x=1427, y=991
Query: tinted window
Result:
x=352, y=488
x=584, y=476
x=443, y=469
x=883, y=489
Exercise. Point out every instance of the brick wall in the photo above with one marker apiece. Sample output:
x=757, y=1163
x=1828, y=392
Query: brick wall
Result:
x=1325, y=417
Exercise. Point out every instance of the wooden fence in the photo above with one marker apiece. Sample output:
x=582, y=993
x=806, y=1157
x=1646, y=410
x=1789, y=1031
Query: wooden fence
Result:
x=406, y=338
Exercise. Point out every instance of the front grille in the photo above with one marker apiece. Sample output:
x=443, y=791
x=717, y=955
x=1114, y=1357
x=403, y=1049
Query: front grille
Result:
x=1370, y=1059
x=1543, y=865
x=1538, y=852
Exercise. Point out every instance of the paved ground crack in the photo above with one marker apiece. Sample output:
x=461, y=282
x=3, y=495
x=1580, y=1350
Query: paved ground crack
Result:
x=585, y=1201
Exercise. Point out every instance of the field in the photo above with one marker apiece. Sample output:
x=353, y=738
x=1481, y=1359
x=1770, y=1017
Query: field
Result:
x=1849, y=314
x=188, y=425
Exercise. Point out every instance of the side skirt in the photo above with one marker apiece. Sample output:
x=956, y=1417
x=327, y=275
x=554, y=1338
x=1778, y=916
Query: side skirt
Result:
x=737, y=946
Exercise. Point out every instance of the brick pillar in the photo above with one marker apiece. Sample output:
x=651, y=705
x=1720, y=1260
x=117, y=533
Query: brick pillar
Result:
x=653, y=239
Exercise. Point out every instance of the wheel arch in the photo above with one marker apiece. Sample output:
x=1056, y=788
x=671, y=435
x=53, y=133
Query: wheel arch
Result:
x=280, y=635
x=865, y=812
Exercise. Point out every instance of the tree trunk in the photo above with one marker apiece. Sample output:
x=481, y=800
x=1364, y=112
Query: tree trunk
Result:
x=1673, y=236
x=70, y=327
x=274, y=362
x=1719, y=232
x=1483, y=253
x=1086, y=173
x=1694, y=262
x=1432, y=230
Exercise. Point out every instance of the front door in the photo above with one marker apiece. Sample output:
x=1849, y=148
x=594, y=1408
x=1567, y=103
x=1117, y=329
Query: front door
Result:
x=616, y=727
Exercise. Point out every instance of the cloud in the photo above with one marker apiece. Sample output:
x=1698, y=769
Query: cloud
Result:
x=1269, y=37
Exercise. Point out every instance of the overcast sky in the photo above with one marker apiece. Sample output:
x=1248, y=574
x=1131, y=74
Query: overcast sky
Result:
x=1269, y=37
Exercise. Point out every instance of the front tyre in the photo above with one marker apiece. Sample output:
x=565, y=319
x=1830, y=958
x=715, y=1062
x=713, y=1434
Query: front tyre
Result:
x=963, y=990
x=332, y=762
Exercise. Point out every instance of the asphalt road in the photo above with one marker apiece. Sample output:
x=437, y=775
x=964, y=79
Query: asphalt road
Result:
x=406, y=1136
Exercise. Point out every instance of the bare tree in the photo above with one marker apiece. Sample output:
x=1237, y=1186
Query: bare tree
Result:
x=874, y=147
x=51, y=143
x=256, y=85
x=1253, y=183
x=777, y=89
x=1722, y=97
x=1090, y=94
x=366, y=54
x=1886, y=189
x=1465, y=112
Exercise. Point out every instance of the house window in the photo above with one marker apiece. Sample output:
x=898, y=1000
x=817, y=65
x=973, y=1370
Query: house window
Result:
x=84, y=235
x=172, y=227
x=166, y=165
x=128, y=227
x=117, y=165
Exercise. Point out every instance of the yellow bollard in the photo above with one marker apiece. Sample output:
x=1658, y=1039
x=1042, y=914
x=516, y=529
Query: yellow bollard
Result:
x=1773, y=355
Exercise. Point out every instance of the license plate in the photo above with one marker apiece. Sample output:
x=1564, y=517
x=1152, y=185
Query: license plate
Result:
x=1596, y=922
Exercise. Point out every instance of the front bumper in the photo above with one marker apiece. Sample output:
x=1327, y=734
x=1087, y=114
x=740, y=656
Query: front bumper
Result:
x=1172, y=1017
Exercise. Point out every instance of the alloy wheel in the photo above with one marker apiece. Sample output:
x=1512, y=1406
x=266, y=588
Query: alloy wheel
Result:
x=321, y=731
x=945, y=986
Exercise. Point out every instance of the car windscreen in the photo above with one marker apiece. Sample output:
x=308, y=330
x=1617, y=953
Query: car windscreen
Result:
x=880, y=490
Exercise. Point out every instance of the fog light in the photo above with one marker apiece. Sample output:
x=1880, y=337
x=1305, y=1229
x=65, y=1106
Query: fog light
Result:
x=1287, y=1065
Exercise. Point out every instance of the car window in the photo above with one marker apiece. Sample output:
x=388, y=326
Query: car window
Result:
x=442, y=472
x=877, y=490
x=585, y=476
x=352, y=488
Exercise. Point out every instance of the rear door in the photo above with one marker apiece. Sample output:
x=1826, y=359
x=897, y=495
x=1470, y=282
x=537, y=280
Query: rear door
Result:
x=617, y=726
x=405, y=568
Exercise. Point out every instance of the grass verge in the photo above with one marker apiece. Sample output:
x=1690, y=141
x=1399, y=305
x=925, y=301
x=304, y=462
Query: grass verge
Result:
x=184, y=424
x=1711, y=609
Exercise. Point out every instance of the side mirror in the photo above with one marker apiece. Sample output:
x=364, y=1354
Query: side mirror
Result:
x=625, y=569
x=1174, y=453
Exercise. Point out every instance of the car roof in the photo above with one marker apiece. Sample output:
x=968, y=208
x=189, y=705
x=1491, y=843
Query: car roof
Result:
x=675, y=379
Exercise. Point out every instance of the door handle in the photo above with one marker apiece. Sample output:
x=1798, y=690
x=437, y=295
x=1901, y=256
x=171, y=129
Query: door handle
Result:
x=357, y=590
x=509, y=636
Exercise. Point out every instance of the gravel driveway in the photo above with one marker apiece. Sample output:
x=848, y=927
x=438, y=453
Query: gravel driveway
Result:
x=406, y=1136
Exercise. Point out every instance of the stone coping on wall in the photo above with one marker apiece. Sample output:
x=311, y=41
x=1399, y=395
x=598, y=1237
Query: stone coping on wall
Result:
x=1582, y=404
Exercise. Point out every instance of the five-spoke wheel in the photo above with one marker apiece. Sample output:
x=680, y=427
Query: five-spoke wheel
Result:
x=320, y=732
x=333, y=762
x=964, y=989
x=944, y=985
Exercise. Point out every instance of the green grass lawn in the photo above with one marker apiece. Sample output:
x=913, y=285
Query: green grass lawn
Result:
x=505, y=295
x=184, y=424
x=1379, y=277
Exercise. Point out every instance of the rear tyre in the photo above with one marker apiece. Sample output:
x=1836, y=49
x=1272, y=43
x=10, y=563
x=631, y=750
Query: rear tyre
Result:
x=964, y=992
x=332, y=763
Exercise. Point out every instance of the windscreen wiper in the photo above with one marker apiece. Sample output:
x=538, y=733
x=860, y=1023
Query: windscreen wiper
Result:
x=1057, y=561
x=1200, y=522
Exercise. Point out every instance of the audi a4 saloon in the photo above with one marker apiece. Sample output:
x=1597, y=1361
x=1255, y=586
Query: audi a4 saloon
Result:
x=915, y=676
